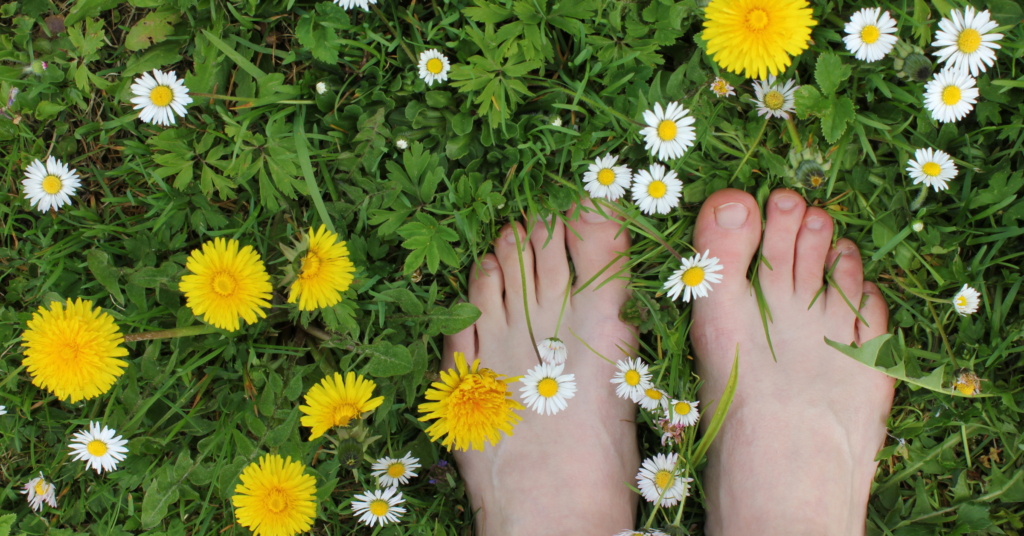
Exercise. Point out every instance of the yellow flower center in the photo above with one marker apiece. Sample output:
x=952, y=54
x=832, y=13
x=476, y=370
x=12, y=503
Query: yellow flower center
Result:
x=96, y=447
x=396, y=470
x=682, y=408
x=662, y=479
x=931, y=169
x=161, y=96
x=962, y=301
x=42, y=487
x=951, y=95
x=547, y=387
x=653, y=394
x=693, y=276
x=345, y=412
x=757, y=19
x=632, y=377
x=816, y=180
x=606, y=176
x=224, y=284
x=969, y=41
x=379, y=507
x=774, y=100
x=311, y=265
x=656, y=189
x=965, y=388
x=51, y=184
x=434, y=65
x=721, y=87
x=667, y=130
x=869, y=34
x=276, y=501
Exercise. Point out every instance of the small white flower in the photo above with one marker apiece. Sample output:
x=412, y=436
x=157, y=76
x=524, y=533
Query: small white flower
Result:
x=100, y=449
x=669, y=132
x=552, y=351
x=965, y=42
x=402, y=143
x=933, y=168
x=918, y=226
x=434, y=66
x=379, y=506
x=773, y=100
x=603, y=179
x=654, y=398
x=160, y=95
x=394, y=471
x=721, y=88
x=556, y=122
x=39, y=491
x=50, y=186
x=659, y=474
x=683, y=412
x=951, y=95
x=966, y=301
x=545, y=389
x=349, y=4
x=632, y=379
x=870, y=34
x=655, y=191
x=321, y=88
x=3, y=410
x=694, y=277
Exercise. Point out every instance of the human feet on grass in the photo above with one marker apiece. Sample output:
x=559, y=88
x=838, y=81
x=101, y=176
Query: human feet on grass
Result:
x=796, y=452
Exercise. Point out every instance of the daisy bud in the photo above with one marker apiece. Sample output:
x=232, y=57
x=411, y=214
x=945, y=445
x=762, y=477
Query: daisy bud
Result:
x=552, y=351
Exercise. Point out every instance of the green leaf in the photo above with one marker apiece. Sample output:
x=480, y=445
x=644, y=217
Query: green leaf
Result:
x=720, y=411
x=159, y=496
x=152, y=29
x=1005, y=12
x=454, y=319
x=405, y=299
x=830, y=72
x=809, y=102
x=6, y=522
x=105, y=272
x=841, y=113
x=239, y=60
x=48, y=110
x=387, y=359
x=307, y=171
x=88, y=8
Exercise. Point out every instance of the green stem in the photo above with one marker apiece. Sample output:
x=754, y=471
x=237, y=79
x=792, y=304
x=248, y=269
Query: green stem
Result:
x=750, y=151
x=565, y=300
x=919, y=200
x=526, y=302
x=394, y=33
x=797, y=144
x=945, y=340
x=189, y=331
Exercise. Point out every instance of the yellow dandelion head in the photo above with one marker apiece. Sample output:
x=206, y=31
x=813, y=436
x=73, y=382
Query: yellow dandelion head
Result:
x=275, y=498
x=757, y=37
x=335, y=401
x=471, y=405
x=226, y=283
x=326, y=272
x=968, y=383
x=72, y=352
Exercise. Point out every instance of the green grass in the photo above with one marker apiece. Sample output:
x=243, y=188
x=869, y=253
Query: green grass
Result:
x=261, y=156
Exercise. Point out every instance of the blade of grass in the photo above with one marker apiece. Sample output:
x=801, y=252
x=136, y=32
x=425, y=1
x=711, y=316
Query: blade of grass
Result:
x=307, y=170
x=720, y=412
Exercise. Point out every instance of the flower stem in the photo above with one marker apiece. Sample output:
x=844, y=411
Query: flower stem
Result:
x=526, y=302
x=189, y=331
x=750, y=151
x=919, y=200
x=394, y=33
x=565, y=300
x=797, y=144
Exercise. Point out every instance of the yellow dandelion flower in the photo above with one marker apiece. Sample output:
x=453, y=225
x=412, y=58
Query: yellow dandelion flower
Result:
x=226, y=283
x=470, y=405
x=72, y=352
x=326, y=272
x=335, y=401
x=275, y=498
x=757, y=37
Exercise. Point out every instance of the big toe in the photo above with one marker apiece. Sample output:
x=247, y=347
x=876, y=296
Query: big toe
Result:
x=729, y=228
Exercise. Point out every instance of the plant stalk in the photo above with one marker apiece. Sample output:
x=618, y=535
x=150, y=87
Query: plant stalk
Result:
x=797, y=144
x=189, y=331
x=394, y=33
x=750, y=151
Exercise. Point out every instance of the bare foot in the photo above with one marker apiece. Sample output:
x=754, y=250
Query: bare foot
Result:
x=560, y=474
x=796, y=453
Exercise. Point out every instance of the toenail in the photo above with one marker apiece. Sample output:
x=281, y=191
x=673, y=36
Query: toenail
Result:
x=846, y=247
x=488, y=264
x=509, y=236
x=785, y=202
x=815, y=224
x=731, y=215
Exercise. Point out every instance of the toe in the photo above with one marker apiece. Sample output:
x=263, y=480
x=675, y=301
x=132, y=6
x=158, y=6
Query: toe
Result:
x=785, y=210
x=729, y=227
x=463, y=341
x=812, y=246
x=552, y=262
x=486, y=287
x=875, y=312
x=848, y=276
x=508, y=258
x=598, y=246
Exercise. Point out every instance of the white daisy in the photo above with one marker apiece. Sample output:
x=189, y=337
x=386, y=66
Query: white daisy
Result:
x=654, y=398
x=632, y=379
x=433, y=66
x=773, y=100
x=100, y=449
x=965, y=42
x=721, y=88
x=683, y=412
x=321, y=88
x=379, y=506
x=966, y=301
x=160, y=95
x=394, y=471
x=656, y=191
x=40, y=491
x=933, y=168
x=659, y=474
x=349, y=4
x=545, y=389
x=669, y=133
x=870, y=36
x=552, y=351
x=694, y=277
x=606, y=180
x=951, y=95
x=3, y=410
x=50, y=186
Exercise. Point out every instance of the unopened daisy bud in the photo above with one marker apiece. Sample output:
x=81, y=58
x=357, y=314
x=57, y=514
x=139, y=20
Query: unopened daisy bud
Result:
x=556, y=122
x=321, y=88
x=918, y=226
x=552, y=351
x=966, y=301
x=967, y=383
x=38, y=67
x=402, y=144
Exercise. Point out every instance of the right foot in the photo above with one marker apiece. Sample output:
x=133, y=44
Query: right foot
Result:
x=796, y=452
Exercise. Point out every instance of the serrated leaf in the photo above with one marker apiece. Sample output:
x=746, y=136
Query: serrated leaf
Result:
x=6, y=522
x=153, y=29
x=405, y=299
x=830, y=72
x=104, y=272
x=454, y=319
x=387, y=359
x=809, y=102
x=840, y=114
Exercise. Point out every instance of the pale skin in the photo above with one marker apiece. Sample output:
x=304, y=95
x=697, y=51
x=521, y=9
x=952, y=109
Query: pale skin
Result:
x=796, y=453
